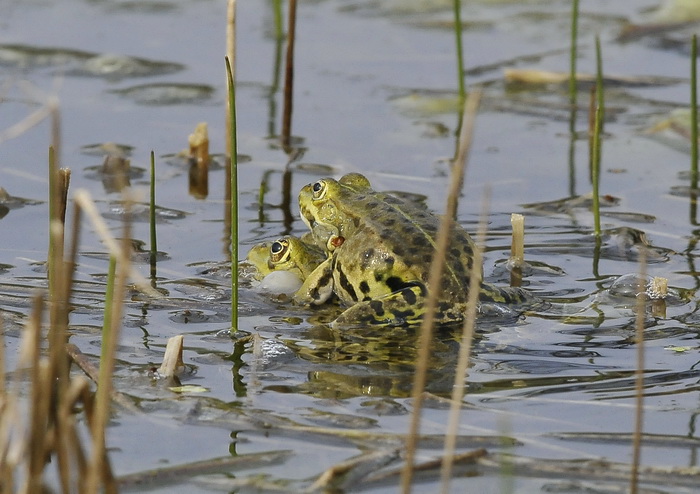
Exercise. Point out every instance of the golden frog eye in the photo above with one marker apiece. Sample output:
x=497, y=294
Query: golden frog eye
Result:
x=319, y=189
x=279, y=250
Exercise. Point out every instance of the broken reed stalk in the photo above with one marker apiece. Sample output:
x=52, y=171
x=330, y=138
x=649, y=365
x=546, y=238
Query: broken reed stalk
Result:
x=573, y=53
x=639, y=376
x=597, y=130
x=465, y=347
x=517, y=245
x=517, y=249
x=471, y=106
x=694, y=113
x=289, y=77
x=152, y=220
x=457, y=4
x=233, y=156
x=55, y=113
x=63, y=184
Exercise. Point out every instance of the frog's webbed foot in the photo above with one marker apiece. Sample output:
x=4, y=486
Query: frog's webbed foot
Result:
x=318, y=286
x=402, y=307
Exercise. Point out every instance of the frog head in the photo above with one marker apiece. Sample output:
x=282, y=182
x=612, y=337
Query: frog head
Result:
x=332, y=208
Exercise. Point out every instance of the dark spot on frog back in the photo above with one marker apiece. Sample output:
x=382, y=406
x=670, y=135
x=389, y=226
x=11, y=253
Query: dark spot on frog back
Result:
x=345, y=283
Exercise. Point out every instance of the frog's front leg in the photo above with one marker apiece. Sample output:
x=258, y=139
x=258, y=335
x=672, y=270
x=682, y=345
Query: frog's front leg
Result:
x=404, y=306
x=318, y=286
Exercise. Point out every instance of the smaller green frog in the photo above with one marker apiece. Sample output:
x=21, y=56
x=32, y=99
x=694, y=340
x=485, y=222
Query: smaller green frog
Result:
x=295, y=255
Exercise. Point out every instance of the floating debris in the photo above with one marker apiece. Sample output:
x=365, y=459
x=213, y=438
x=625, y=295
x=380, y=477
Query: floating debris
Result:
x=107, y=148
x=84, y=63
x=29, y=57
x=8, y=202
x=141, y=213
x=570, y=203
x=427, y=103
x=123, y=66
x=532, y=76
x=161, y=94
x=673, y=11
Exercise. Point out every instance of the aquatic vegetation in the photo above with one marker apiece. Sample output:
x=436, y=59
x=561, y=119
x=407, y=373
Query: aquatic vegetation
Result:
x=288, y=403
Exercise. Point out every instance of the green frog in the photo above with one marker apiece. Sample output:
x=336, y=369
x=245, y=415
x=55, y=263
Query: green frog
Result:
x=299, y=256
x=380, y=248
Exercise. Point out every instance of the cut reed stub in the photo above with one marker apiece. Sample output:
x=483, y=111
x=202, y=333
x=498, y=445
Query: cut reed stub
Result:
x=517, y=249
x=63, y=184
x=199, y=145
x=172, y=360
x=517, y=246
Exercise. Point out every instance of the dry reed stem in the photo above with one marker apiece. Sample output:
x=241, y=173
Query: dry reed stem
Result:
x=78, y=389
x=471, y=106
x=55, y=113
x=459, y=386
x=517, y=247
x=199, y=145
x=93, y=373
x=289, y=77
x=347, y=473
x=639, y=377
x=63, y=184
x=172, y=360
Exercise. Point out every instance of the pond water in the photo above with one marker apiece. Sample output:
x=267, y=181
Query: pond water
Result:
x=375, y=91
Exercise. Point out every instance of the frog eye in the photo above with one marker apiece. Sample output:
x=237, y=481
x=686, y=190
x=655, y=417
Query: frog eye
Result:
x=278, y=250
x=276, y=247
x=319, y=189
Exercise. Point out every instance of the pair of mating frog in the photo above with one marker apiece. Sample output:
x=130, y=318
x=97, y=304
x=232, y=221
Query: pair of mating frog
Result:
x=373, y=250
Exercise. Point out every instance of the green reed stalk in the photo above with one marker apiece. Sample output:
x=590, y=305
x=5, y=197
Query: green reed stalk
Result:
x=277, y=14
x=152, y=218
x=458, y=45
x=597, y=129
x=234, y=196
x=53, y=211
x=573, y=53
x=109, y=300
x=694, y=113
